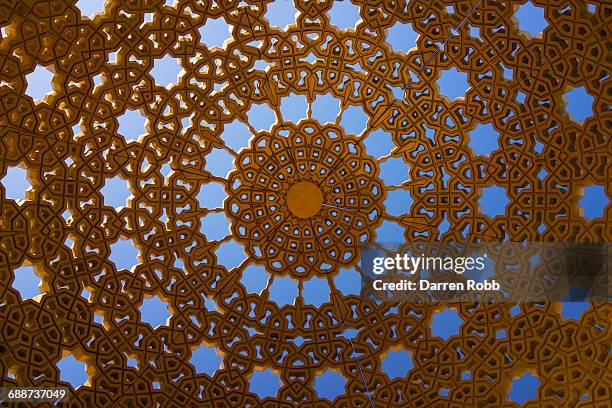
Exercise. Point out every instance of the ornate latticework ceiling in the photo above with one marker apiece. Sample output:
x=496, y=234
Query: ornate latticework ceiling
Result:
x=302, y=197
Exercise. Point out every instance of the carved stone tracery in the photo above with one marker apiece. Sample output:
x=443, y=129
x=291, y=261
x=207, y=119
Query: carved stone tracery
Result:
x=71, y=144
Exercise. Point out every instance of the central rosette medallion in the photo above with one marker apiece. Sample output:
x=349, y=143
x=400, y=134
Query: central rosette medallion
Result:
x=304, y=198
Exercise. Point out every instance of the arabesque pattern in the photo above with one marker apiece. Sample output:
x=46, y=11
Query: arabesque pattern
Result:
x=66, y=228
x=306, y=236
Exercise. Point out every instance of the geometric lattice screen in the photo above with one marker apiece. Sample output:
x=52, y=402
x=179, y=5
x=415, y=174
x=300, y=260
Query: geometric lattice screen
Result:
x=201, y=175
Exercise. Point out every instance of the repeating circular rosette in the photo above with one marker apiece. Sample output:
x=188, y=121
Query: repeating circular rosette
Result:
x=303, y=198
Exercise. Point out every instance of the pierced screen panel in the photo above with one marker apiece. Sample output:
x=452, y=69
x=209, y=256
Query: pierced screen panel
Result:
x=192, y=182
